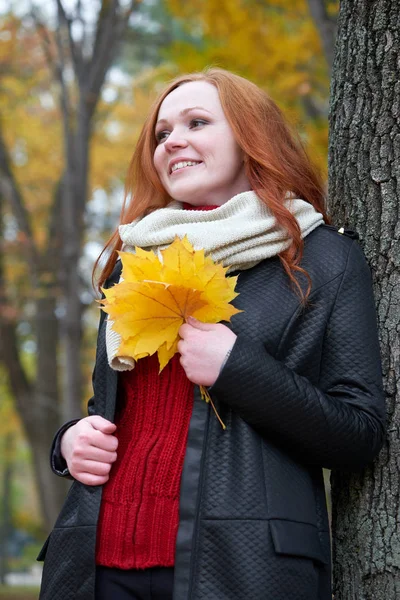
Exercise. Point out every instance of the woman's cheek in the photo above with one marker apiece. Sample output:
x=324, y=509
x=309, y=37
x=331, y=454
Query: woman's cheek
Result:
x=157, y=160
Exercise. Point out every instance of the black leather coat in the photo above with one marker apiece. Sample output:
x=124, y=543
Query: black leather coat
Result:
x=300, y=391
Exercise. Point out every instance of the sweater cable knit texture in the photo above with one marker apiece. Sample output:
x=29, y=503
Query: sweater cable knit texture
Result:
x=139, y=514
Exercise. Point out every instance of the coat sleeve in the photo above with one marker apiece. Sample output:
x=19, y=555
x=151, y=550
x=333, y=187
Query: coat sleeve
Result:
x=57, y=462
x=338, y=423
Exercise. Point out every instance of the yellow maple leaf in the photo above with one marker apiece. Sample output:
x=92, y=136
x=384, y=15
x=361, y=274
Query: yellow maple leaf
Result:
x=155, y=297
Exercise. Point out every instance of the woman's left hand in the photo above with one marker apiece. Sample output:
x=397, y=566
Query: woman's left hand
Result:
x=203, y=349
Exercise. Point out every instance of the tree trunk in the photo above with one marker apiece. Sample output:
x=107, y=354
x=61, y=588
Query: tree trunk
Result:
x=73, y=201
x=326, y=26
x=37, y=403
x=42, y=418
x=364, y=184
x=6, y=504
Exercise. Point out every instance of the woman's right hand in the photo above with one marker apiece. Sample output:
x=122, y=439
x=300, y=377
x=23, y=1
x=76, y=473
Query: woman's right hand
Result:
x=89, y=448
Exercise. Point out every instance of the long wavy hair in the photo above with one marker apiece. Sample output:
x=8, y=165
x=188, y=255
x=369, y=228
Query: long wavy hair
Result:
x=275, y=163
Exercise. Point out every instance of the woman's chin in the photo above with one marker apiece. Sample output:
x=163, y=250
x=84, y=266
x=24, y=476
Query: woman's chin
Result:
x=188, y=197
x=194, y=196
x=193, y=201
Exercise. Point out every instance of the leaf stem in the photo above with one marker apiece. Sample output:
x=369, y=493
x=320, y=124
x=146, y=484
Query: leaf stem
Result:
x=206, y=396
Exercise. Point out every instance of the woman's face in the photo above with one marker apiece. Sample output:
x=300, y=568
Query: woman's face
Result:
x=197, y=158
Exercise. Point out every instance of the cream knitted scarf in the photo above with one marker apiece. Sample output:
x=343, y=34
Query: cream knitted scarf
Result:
x=240, y=233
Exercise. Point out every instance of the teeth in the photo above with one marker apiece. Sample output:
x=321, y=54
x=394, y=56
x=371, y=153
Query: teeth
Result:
x=186, y=163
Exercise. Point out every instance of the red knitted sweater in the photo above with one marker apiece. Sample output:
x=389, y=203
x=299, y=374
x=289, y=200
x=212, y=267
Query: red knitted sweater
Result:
x=139, y=514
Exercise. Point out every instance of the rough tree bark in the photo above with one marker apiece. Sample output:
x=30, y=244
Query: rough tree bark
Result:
x=364, y=184
x=53, y=272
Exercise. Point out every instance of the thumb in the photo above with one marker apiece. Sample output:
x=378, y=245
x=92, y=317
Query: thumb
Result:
x=199, y=324
x=101, y=424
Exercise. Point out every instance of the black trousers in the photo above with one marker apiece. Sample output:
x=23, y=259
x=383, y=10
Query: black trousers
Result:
x=134, y=584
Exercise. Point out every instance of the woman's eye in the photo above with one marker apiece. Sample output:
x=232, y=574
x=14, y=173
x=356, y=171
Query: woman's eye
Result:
x=161, y=136
x=197, y=122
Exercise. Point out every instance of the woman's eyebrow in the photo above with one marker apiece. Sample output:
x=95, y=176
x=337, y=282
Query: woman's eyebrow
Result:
x=184, y=112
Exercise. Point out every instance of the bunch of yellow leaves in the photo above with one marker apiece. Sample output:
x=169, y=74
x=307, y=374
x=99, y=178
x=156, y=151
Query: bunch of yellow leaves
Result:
x=155, y=297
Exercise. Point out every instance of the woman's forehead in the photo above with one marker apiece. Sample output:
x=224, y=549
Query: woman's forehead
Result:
x=193, y=94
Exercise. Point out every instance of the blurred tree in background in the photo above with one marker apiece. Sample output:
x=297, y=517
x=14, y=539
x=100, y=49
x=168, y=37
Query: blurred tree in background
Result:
x=20, y=523
x=76, y=82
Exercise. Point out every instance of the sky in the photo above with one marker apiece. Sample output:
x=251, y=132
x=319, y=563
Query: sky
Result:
x=21, y=7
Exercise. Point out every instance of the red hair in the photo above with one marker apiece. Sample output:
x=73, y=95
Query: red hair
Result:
x=275, y=163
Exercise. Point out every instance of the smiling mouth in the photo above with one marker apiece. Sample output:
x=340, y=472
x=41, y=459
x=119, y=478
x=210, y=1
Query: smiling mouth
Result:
x=183, y=164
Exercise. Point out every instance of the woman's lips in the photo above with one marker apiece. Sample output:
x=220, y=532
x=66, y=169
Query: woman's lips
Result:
x=179, y=166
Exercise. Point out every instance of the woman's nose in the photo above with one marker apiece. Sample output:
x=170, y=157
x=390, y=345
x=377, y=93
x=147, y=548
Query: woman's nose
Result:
x=175, y=140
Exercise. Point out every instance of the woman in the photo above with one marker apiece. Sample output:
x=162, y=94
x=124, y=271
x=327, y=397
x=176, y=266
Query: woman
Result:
x=165, y=503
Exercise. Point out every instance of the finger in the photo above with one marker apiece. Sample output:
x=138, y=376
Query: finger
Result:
x=101, y=424
x=90, y=479
x=99, y=455
x=184, y=330
x=181, y=346
x=95, y=468
x=200, y=325
x=92, y=438
x=104, y=441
